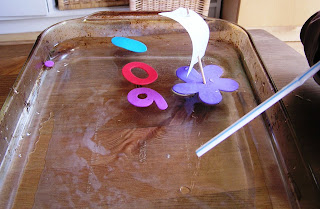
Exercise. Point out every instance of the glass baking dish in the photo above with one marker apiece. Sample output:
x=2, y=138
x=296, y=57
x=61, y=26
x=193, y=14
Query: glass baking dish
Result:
x=71, y=138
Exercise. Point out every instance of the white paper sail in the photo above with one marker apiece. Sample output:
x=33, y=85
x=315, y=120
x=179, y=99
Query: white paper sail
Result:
x=196, y=27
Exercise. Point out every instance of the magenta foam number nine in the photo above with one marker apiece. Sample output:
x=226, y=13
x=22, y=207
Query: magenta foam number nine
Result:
x=151, y=95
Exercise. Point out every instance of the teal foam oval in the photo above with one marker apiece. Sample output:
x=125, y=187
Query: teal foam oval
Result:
x=129, y=44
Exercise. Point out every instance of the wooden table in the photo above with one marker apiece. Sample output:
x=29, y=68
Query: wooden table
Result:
x=12, y=57
x=282, y=62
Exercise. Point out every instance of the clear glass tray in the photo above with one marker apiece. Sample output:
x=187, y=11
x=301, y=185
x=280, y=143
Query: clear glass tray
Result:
x=73, y=140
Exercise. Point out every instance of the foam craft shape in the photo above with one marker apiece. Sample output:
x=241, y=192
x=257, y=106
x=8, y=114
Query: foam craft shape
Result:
x=196, y=27
x=152, y=96
x=209, y=93
x=129, y=44
x=127, y=73
x=49, y=63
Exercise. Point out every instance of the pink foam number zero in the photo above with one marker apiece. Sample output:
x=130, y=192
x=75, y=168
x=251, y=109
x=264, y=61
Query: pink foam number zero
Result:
x=127, y=73
x=151, y=96
x=49, y=63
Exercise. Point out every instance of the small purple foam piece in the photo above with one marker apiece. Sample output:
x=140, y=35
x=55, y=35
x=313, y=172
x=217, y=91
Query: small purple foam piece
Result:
x=49, y=63
x=209, y=93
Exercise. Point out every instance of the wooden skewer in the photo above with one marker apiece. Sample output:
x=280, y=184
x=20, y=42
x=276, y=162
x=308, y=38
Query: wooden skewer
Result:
x=201, y=69
x=188, y=11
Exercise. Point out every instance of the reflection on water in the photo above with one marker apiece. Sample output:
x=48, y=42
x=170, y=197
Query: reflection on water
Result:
x=185, y=190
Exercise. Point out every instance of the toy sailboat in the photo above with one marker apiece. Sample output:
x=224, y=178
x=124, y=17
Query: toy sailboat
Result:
x=208, y=85
x=198, y=31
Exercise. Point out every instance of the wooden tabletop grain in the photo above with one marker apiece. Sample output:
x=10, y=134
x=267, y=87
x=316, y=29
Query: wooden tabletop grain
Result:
x=12, y=58
x=282, y=62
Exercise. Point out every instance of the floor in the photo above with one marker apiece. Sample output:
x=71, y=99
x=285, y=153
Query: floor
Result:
x=289, y=34
x=297, y=46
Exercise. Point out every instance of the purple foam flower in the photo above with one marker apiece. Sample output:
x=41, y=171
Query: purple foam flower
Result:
x=209, y=93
